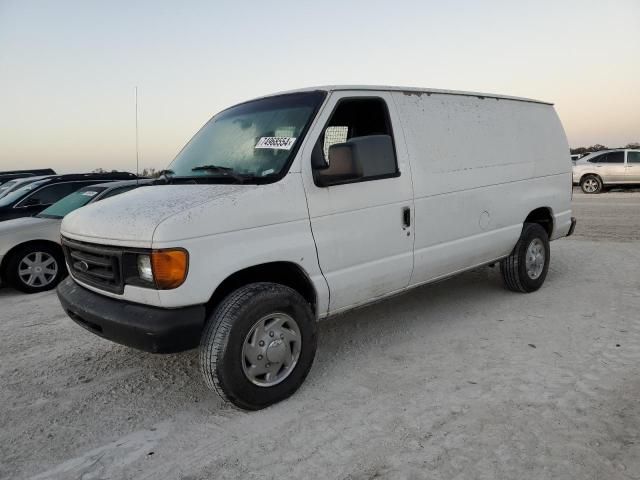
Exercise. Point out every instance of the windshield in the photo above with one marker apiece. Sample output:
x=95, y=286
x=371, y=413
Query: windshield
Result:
x=5, y=187
x=256, y=139
x=71, y=202
x=11, y=197
x=11, y=185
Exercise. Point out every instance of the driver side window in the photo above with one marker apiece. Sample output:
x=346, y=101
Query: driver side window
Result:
x=358, y=127
x=49, y=194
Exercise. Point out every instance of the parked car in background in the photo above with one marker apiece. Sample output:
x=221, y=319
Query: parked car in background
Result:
x=602, y=169
x=17, y=183
x=34, y=197
x=303, y=205
x=31, y=258
x=13, y=174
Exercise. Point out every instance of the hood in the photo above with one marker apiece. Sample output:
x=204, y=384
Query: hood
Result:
x=163, y=213
x=20, y=230
x=24, y=224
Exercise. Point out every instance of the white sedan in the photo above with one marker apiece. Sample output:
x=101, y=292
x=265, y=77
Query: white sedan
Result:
x=31, y=258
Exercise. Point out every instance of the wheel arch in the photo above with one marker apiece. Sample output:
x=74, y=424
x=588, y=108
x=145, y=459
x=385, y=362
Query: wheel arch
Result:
x=590, y=174
x=285, y=273
x=543, y=216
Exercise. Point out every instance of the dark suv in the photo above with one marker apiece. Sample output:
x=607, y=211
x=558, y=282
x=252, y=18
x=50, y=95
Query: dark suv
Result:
x=36, y=196
x=13, y=174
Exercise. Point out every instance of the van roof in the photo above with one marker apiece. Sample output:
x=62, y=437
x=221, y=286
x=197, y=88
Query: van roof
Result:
x=411, y=91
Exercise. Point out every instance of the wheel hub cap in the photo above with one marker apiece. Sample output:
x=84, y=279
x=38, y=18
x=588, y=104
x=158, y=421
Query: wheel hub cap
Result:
x=37, y=269
x=276, y=351
x=271, y=349
x=535, y=259
x=590, y=185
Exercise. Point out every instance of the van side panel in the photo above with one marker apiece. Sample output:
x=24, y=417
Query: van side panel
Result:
x=480, y=166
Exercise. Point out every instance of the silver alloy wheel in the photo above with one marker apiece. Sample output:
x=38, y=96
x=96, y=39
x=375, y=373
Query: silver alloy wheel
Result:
x=271, y=349
x=535, y=258
x=38, y=269
x=590, y=185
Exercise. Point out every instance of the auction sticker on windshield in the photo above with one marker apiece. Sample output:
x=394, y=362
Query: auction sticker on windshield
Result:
x=276, y=143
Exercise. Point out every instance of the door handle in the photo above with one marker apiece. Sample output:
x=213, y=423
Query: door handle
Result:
x=406, y=218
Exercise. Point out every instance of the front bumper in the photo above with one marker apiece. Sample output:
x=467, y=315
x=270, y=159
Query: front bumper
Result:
x=152, y=329
x=572, y=227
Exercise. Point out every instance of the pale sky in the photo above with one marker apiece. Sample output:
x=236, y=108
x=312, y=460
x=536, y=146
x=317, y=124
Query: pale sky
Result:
x=68, y=68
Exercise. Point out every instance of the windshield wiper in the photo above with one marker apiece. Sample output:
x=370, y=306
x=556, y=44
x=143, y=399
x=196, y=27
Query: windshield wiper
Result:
x=224, y=170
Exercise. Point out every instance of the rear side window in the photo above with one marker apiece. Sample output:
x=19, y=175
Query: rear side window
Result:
x=612, y=157
x=357, y=118
x=633, y=157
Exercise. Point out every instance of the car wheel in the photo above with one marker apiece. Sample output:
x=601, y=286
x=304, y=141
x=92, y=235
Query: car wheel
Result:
x=36, y=268
x=258, y=345
x=525, y=269
x=591, y=184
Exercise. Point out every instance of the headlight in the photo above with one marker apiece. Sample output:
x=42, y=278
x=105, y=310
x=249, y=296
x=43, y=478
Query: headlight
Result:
x=144, y=268
x=162, y=269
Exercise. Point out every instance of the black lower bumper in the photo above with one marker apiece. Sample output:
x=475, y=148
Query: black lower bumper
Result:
x=573, y=226
x=152, y=329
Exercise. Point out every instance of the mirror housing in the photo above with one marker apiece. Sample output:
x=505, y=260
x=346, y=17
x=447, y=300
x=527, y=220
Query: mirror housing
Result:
x=344, y=165
x=370, y=156
x=317, y=158
x=31, y=202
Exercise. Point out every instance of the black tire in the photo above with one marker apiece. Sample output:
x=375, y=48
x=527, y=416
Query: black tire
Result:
x=221, y=346
x=28, y=251
x=589, y=182
x=514, y=268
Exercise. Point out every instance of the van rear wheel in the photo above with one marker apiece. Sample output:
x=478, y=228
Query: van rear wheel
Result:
x=525, y=269
x=258, y=345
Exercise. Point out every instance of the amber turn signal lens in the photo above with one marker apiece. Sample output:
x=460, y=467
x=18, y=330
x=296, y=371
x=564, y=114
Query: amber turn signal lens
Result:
x=169, y=268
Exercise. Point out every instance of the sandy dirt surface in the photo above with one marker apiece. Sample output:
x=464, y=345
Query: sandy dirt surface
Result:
x=613, y=215
x=461, y=379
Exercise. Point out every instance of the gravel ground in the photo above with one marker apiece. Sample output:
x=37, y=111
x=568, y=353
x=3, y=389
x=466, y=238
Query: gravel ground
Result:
x=460, y=379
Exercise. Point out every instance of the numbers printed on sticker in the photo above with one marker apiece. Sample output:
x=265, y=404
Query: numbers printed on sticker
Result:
x=276, y=143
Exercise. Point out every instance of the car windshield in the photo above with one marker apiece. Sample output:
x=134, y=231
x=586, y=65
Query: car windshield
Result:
x=71, y=202
x=253, y=140
x=5, y=187
x=10, y=197
x=11, y=185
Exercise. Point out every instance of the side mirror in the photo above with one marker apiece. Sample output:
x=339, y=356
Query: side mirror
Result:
x=317, y=158
x=31, y=202
x=344, y=165
x=370, y=156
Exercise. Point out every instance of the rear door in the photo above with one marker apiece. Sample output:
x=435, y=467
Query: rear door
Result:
x=611, y=167
x=362, y=228
x=633, y=166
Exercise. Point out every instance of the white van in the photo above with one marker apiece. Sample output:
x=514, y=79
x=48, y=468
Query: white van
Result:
x=294, y=207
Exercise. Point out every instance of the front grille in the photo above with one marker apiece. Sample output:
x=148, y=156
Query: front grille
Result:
x=95, y=265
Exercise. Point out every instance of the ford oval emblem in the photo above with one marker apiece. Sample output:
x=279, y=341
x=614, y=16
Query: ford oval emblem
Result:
x=81, y=266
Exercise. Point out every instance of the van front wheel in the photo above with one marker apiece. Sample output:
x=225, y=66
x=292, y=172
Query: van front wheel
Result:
x=258, y=345
x=526, y=268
